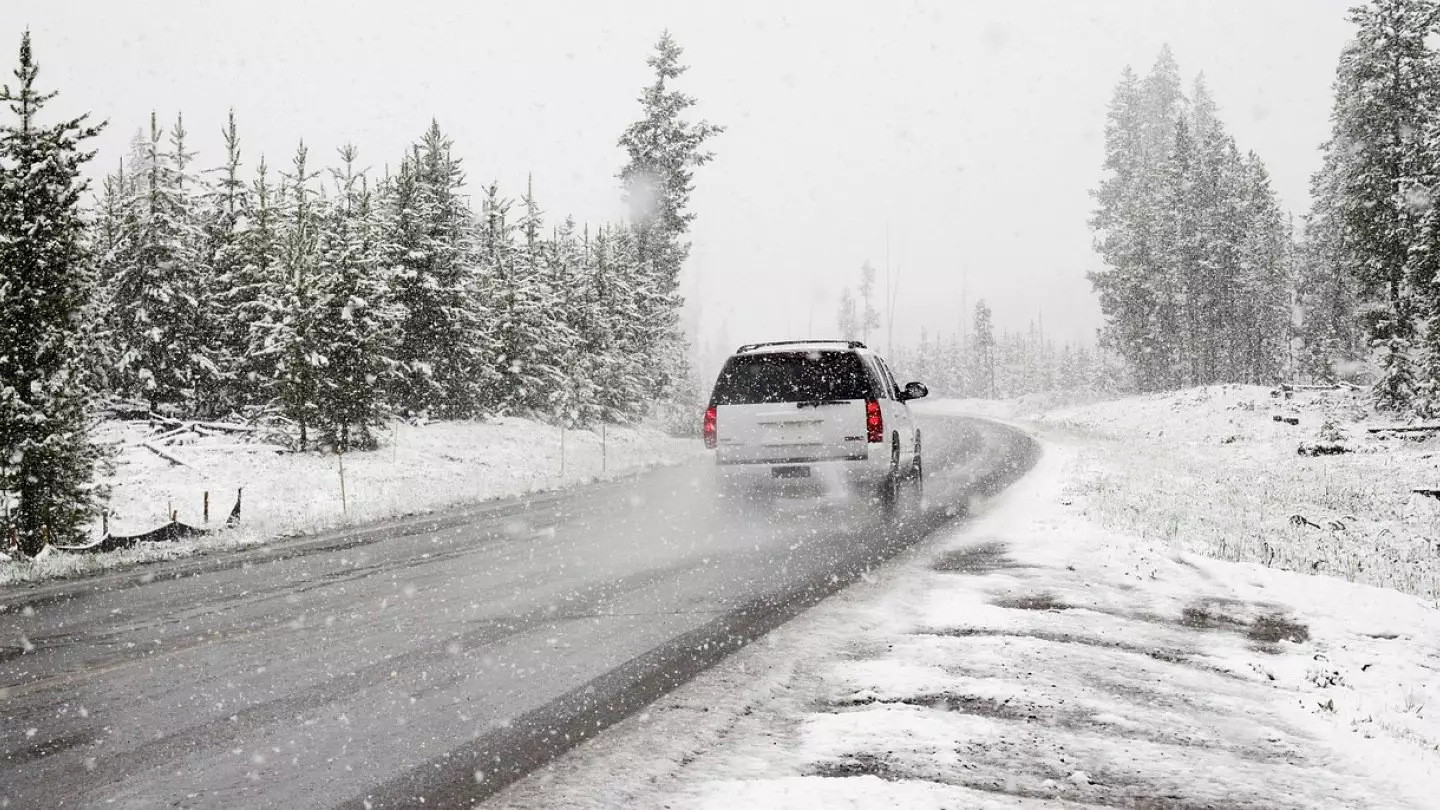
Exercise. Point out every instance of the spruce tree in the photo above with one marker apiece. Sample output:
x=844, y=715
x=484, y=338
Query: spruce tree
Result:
x=1385, y=96
x=255, y=291
x=869, y=317
x=231, y=290
x=290, y=306
x=355, y=323
x=47, y=459
x=518, y=303
x=982, y=346
x=663, y=149
x=564, y=279
x=156, y=284
x=443, y=350
x=846, y=317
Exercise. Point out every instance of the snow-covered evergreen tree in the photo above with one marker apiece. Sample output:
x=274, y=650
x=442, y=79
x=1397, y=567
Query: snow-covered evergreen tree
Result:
x=564, y=279
x=47, y=458
x=444, y=349
x=663, y=149
x=156, y=293
x=1385, y=97
x=869, y=316
x=231, y=293
x=610, y=339
x=846, y=316
x=1197, y=281
x=982, y=347
x=520, y=304
x=355, y=325
x=290, y=307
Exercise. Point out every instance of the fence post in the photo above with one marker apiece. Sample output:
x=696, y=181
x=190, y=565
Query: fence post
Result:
x=205, y=509
x=340, y=457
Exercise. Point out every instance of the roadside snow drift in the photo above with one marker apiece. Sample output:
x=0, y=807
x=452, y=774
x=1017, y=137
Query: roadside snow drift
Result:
x=420, y=469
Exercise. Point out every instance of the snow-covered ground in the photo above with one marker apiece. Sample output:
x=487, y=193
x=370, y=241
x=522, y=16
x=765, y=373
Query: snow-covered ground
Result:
x=1212, y=471
x=1037, y=657
x=420, y=469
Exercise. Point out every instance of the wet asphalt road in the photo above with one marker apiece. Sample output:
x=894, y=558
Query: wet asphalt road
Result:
x=437, y=658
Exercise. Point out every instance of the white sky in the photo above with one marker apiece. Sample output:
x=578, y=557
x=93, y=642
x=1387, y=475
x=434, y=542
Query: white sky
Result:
x=971, y=129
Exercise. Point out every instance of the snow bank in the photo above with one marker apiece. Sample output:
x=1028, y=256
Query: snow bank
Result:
x=420, y=469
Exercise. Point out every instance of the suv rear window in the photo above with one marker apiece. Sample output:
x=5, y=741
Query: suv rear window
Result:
x=791, y=377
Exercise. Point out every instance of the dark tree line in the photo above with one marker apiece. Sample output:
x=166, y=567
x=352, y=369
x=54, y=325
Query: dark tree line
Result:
x=319, y=292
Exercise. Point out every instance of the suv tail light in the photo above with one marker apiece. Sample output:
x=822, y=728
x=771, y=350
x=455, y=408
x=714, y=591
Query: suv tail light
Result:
x=874, y=422
x=710, y=428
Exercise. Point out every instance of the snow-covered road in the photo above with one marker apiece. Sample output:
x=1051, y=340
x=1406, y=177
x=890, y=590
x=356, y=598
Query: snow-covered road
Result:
x=1029, y=658
x=438, y=657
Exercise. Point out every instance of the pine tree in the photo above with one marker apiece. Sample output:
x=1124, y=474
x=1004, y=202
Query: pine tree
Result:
x=846, y=317
x=355, y=324
x=1263, y=304
x=1385, y=96
x=47, y=459
x=1197, y=284
x=608, y=340
x=1328, y=295
x=443, y=349
x=254, y=293
x=231, y=291
x=664, y=149
x=291, y=306
x=526, y=371
x=564, y=279
x=869, y=317
x=156, y=284
x=1124, y=221
x=982, y=345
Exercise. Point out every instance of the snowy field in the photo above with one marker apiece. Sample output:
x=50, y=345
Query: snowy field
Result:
x=1036, y=656
x=420, y=469
x=1211, y=471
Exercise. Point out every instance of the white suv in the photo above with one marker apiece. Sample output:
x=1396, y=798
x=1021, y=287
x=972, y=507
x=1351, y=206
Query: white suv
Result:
x=814, y=415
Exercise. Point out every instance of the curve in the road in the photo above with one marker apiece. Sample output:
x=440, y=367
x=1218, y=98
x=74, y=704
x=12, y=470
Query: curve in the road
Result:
x=437, y=657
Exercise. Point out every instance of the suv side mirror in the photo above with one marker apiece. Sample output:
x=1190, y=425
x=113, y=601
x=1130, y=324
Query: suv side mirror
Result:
x=915, y=390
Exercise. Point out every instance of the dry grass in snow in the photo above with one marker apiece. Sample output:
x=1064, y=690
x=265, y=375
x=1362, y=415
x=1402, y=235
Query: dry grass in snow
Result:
x=1211, y=471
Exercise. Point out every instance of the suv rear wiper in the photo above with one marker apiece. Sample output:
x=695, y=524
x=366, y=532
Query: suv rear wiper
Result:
x=815, y=403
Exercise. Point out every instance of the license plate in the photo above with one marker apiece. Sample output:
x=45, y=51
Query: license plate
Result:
x=793, y=436
x=790, y=472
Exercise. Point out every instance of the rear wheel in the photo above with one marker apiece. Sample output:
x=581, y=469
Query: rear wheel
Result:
x=916, y=482
x=892, y=484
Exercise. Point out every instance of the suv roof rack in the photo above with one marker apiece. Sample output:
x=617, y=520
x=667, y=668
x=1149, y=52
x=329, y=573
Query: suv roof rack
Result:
x=853, y=344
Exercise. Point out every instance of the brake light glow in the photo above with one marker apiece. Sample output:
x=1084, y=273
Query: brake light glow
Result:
x=710, y=428
x=874, y=422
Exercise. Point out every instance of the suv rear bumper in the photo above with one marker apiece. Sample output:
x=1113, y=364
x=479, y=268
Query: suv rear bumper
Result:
x=805, y=475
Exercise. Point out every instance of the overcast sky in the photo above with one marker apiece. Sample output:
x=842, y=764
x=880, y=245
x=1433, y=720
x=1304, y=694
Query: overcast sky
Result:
x=969, y=131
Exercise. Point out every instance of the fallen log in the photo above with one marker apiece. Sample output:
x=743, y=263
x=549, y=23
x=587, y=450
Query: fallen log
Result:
x=1405, y=429
x=250, y=447
x=170, y=457
x=226, y=427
